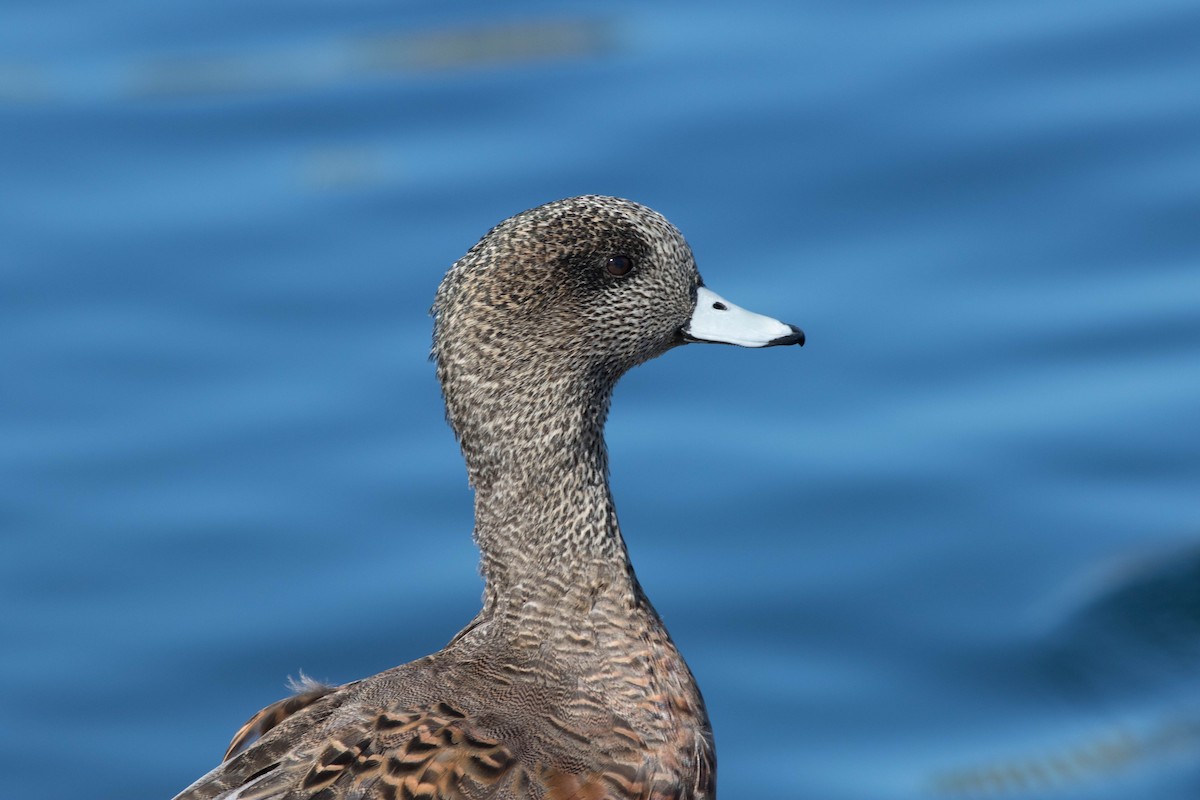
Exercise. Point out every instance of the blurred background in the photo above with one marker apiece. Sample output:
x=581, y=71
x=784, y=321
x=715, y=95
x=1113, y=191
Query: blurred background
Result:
x=949, y=549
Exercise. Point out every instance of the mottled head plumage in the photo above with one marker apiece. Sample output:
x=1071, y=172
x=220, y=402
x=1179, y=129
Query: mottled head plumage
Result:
x=531, y=323
x=536, y=287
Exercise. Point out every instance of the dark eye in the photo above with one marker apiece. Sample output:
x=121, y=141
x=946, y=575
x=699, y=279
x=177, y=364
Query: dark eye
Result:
x=619, y=265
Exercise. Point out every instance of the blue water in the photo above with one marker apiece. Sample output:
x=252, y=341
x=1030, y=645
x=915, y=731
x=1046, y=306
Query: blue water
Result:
x=949, y=549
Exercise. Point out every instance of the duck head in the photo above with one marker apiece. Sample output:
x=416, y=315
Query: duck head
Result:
x=554, y=304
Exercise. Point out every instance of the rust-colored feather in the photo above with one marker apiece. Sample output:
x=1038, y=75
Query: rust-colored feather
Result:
x=271, y=716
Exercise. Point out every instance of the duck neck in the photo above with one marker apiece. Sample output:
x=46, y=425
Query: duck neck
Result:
x=545, y=521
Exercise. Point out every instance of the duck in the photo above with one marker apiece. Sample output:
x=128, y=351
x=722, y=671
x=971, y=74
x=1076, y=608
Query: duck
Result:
x=566, y=684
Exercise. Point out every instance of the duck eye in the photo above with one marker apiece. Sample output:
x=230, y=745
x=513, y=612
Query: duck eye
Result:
x=619, y=265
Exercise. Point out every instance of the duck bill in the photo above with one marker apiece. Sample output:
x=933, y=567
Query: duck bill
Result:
x=718, y=321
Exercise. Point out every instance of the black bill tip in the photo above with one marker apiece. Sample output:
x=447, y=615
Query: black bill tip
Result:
x=795, y=337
